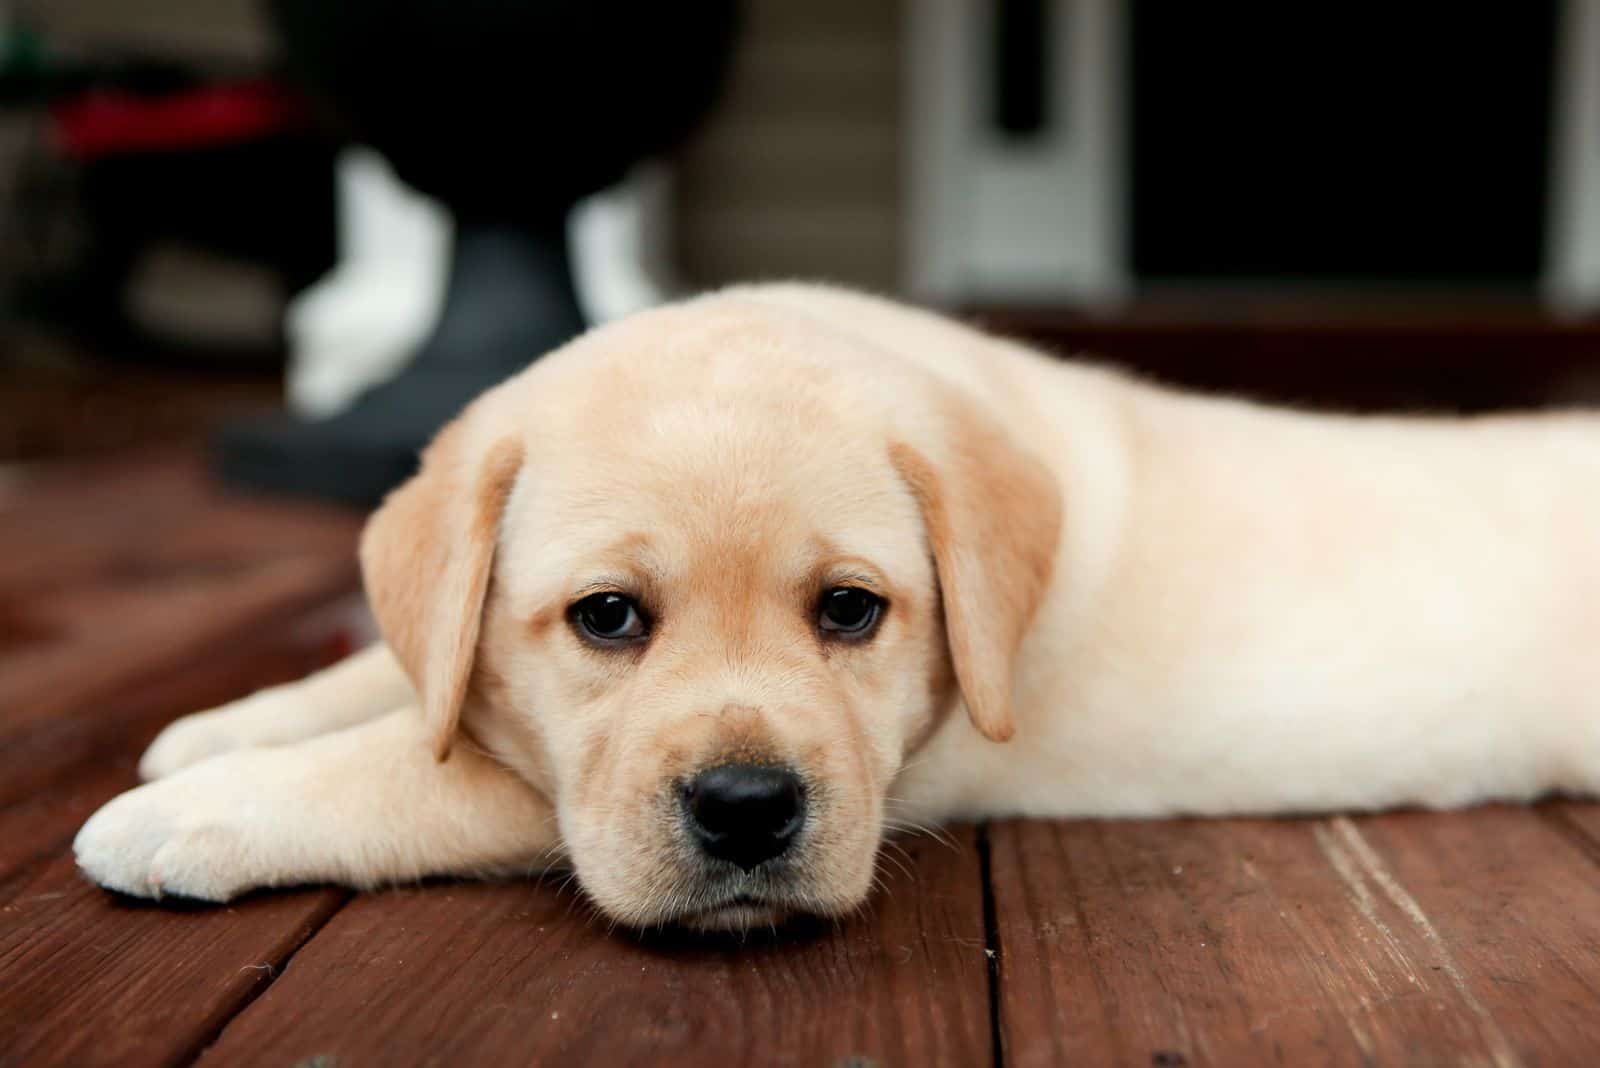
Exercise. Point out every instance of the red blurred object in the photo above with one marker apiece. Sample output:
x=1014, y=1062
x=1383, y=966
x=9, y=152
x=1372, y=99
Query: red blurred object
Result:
x=106, y=123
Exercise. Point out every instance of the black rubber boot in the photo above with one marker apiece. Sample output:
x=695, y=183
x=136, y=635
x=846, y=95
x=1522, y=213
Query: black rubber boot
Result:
x=510, y=299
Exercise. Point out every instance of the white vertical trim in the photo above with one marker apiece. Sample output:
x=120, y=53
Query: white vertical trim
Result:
x=1042, y=219
x=940, y=110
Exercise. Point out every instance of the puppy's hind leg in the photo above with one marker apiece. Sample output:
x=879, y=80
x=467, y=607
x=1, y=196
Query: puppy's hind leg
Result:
x=358, y=688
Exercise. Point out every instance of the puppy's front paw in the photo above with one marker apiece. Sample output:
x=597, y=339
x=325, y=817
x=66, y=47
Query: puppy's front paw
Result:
x=188, y=836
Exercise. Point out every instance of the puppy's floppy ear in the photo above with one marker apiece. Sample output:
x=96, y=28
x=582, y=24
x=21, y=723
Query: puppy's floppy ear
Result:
x=993, y=514
x=426, y=557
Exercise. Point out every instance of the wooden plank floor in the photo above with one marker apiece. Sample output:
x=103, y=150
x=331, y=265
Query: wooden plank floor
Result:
x=132, y=591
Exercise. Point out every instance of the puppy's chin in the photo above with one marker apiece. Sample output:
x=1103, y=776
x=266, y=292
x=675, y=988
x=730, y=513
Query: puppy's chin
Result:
x=775, y=909
x=721, y=913
x=736, y=916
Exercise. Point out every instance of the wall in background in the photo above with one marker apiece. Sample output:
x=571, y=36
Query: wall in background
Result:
x=797, y=173
x=217, y=30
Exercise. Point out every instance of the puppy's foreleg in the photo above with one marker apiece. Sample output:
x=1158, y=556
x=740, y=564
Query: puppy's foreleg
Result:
x=361, y=807
x=356, y=689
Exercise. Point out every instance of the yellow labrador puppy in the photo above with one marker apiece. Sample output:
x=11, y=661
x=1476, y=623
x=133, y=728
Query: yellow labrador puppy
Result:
x=704, y=602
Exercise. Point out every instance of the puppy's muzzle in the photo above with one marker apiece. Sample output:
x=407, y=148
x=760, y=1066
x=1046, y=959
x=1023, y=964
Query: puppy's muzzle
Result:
x=746, y=814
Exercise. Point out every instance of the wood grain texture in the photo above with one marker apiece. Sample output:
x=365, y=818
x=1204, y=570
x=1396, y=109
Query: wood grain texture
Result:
x=131, y=593
x=103, y=642
x=151, y=597
x=120, y=580
x=120, y=702
x=1580, y=820
x=462, y=974
x=56, y=775
x=144, y=518
x=88, y=978
x=1511, y=906
x=1296, y=941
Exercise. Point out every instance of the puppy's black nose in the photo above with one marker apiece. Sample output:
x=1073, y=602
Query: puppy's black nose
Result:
x=744, y=813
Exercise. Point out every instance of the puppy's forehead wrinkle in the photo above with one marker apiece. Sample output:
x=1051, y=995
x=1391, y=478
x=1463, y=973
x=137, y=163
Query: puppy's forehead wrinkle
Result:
x=712, y=540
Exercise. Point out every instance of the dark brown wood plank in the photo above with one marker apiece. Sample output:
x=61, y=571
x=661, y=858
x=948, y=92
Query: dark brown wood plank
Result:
x=99, y=640
x=1398, y=939
x=191, y=538
x=464, y=974
x=143, y=520
x=143, y=517
x=115, y=576
x=1512, y=905
x=1578, y=819
x=57, y=399
x=90, y=979
x=139, y=623
x=1352, y=350
x=159, y=596
x=57, y=774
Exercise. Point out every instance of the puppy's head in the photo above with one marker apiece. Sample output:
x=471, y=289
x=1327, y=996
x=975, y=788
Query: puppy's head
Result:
x=707, y=578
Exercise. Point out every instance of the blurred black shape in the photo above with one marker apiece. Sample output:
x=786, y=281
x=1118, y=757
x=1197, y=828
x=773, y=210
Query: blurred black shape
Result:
x=1022, y=67
x=510, y=110
x=508, y=113
x=1343, y=142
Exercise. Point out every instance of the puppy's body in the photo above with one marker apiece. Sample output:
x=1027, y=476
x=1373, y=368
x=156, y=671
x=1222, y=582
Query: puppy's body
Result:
x=1197, y=606
x=1259, y=610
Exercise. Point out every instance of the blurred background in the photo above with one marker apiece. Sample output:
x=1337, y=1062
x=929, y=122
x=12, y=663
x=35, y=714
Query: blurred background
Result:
x=297, y=235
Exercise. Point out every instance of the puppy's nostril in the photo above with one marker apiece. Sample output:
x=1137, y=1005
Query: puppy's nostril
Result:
x=744, y=813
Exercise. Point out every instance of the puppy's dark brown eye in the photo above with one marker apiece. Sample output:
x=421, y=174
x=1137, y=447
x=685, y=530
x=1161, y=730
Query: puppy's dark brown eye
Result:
x=609, y=619
x=849, y=612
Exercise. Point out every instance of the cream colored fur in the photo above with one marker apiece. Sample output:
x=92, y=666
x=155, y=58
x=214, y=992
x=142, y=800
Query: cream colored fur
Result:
x=1170, y=603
